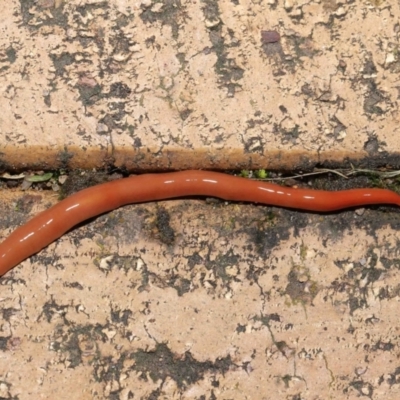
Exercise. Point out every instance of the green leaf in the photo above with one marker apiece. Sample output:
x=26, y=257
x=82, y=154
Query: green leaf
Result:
x=40, y=178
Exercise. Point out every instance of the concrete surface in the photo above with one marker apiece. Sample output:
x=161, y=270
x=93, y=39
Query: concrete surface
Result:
x=194, y=299
x=245, y=302
x=190, y=84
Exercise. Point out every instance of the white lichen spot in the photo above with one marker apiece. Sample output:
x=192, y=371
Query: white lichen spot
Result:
x=342, y=135
x=288, y=5
x=361, y=370
x=120, y=57
x=105, y=263
x=212, y=23
x=390, y=59
x=229, y=295
x=340, y=12
x=139, y=264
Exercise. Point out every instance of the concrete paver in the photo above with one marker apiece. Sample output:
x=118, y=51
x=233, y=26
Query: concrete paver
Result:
x=194, y=299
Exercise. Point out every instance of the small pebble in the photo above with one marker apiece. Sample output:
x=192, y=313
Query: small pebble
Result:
x=270, y=37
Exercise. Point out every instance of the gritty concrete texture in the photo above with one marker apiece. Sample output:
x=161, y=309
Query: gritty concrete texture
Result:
x=238, y=302
x=194, y=299
x=195, y=84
